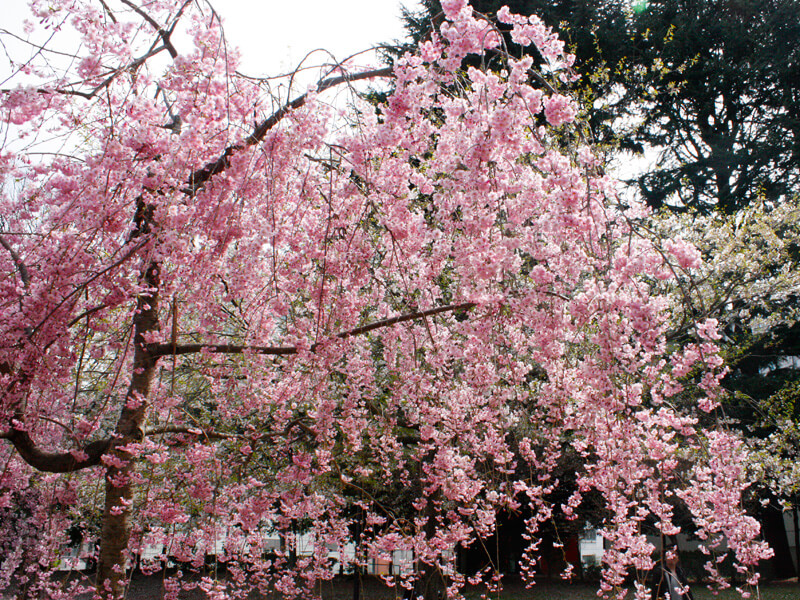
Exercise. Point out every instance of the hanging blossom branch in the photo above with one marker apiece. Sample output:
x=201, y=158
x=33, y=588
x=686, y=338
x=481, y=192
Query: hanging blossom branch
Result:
x=164, y=35
x=79, y=288
x=169, y=349
x=91, y=454
x=200, y=177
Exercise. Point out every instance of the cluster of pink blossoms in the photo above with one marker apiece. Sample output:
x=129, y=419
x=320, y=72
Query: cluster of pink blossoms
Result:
x=377, y=338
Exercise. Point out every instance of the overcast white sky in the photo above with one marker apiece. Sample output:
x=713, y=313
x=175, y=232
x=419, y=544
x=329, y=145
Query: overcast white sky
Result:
x=287, y=30
x=274, y=35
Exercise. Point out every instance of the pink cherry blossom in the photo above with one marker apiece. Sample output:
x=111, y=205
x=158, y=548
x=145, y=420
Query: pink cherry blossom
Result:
x=243, y=340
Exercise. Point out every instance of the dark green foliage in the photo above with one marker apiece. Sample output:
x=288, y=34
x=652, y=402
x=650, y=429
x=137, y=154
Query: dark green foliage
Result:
x=713, y=86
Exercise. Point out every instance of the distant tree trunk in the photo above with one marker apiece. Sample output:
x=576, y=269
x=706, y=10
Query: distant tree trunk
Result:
x=357, y=565
x=432, y=585
x=796, y=518
x=775, y=535
x=357, y=583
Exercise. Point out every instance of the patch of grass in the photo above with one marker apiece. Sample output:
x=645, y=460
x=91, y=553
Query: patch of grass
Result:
x=766, y=592
x=562, y=591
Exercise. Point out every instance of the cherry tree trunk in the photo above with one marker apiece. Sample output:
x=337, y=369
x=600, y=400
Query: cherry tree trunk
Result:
x=115, y=531
x=116, y=528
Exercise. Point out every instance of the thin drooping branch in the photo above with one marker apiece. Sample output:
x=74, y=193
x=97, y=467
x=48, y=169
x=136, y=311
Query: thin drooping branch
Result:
x=130, y=253
x=164, y=34
x=158, y=350
x=200, y=177
x=213, y=434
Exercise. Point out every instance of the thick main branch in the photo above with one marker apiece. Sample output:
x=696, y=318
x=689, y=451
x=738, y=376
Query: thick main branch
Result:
x=56, y=462
x=18, y=262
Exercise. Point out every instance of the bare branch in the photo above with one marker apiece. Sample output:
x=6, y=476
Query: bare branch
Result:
x=180, y=349
x=168, y=349
x=196, y=431
x=161, y=31
x=86, y=313
x=406, y=317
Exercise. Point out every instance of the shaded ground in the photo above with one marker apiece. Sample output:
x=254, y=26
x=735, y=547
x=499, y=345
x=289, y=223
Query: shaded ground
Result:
x=150, y=588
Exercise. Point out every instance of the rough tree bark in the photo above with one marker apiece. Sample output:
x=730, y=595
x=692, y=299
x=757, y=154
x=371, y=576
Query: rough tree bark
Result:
x=119, y=490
